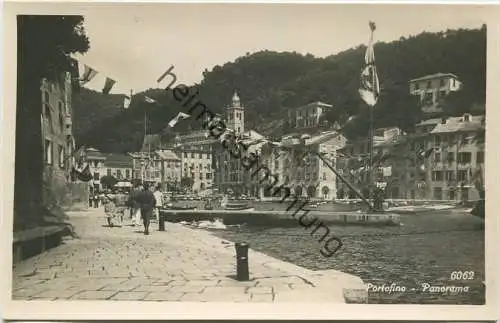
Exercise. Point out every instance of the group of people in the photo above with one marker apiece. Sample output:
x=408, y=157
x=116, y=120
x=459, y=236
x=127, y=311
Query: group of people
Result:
x=142, y=203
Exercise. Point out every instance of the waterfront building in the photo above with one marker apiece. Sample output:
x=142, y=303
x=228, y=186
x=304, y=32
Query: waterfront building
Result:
x=305, y=173
x=195, y=152
x=390, y=163
x=455, y=159
x=430, y=89
x=307, y=116
x=119, y=166
x=57, y=128
x=230, y=175
x=95, y=160
x=170, y=168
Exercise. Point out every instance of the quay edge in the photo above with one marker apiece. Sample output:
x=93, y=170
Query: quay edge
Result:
x=262, y=217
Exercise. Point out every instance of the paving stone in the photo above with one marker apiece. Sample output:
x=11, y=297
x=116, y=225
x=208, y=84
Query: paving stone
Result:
x=166, y=296
x=264, y=298
x=151, y=288
x=94, y=295
x=129, y=296
x=118, y=263
x=51, y=294
x=260, y=290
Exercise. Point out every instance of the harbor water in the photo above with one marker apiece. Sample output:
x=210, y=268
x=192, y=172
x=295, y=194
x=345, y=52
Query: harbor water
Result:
x=425, y=249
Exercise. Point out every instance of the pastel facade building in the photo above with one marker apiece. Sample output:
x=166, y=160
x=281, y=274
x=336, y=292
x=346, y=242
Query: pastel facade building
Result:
x=120, y=166
x=195, y=152
x=430, y=89
x=456, y=158
x=307, y=116
x=57, y=132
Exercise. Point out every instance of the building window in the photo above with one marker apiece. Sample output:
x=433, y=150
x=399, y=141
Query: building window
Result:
x=441, y=82
x=185, y=155
x=450, y=157
x=461, y=175
x=118, y=174
x=96, y=163
x=437, y=157
x=480, y=157
x=96, y=176
x=127, y=173
x=437, y=176
x=449, y=175
x=208, y=176
x=464, y=157
x=429, y=84
x=438, y=193
x=108, y=172
x=48, y=152
x=192, y=155
x=61, y=156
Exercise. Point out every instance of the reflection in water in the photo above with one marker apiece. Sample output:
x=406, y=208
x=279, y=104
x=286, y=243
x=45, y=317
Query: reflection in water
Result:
x=425, y=249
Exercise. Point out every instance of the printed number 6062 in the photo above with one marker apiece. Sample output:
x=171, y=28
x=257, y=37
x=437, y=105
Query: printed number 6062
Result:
x=462, y=275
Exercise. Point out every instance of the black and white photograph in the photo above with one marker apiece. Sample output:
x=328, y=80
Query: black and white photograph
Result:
x=249, y=153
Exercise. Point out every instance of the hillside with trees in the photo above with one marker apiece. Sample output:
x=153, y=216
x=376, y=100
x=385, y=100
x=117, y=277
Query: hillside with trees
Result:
x=271, y=83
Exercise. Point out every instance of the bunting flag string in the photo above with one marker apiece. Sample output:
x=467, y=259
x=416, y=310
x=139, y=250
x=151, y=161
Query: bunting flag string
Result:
x=108, y=85
x=88, y=74
x=149, y=100
x=126, y=102
x=176, y=119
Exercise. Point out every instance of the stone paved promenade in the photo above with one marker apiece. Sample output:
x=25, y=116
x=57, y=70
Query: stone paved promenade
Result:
x=180, y=264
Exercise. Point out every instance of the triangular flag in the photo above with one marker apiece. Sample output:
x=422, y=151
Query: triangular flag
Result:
x=88, y=74
x=126, y=102
x=108, y=85
x=149, y=100
x=175, y=120
x=369, y=88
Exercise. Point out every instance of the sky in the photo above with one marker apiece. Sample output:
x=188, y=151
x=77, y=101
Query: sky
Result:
x=135, y=43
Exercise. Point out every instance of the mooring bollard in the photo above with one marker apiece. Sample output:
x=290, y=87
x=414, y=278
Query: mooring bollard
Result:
x=242, y=273
x=161, y=221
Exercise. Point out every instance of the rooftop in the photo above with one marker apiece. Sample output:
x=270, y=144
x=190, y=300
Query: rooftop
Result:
x=167, y=155
x=118, y=161
x=433, y=76
x=94, y=154
x=317, y=103
x=458, y=124
x=151, y=142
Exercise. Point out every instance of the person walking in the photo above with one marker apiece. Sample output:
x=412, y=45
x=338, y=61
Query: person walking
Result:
x=159, y=201
x=147, y=203
x=133, y=203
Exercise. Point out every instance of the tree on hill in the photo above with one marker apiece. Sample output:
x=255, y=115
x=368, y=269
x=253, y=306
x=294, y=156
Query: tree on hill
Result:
x=44, y=45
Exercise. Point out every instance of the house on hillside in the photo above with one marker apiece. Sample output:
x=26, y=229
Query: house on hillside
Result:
x=430, y=89
x=307, y=116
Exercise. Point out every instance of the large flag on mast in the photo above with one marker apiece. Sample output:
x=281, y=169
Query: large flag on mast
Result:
x=370, y=87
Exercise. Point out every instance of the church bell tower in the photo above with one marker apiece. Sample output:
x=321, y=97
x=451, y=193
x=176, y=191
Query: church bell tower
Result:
x=235, y=115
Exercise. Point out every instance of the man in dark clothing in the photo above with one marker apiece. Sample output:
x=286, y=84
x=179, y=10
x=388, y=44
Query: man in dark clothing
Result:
x=147, y=203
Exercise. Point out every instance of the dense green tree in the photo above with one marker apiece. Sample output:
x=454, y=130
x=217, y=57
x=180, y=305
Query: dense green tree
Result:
x=109, y=181
x=44, y=45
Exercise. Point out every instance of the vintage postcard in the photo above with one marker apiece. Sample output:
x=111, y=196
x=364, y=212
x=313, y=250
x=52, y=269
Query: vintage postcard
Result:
x=213, y=160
